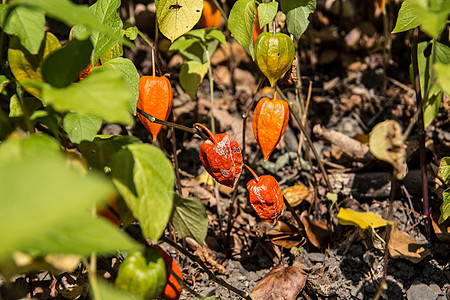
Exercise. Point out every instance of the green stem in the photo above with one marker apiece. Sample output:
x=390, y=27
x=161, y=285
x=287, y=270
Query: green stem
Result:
x=211, y=92
x=294, y=112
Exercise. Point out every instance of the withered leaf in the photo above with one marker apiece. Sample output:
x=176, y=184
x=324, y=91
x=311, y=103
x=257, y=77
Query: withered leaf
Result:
x=280, y=283
x=318, y=232
x=284, y=235
x=403, y=246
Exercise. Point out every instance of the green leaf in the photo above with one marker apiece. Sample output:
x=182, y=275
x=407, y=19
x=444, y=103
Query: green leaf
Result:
x=430, y=15
x=71, y=14
x=81, y=127
x=444, y=171
x=131, y=33
x=63, y=66
x=362, y=220
x=189, y=218
x=181, y=44
x=407, y=17
x=31, y=105
x=130, y=76
x=240, y=22
x=105, y=11
x=191, y=75
x=443, y=76
x=103, y=93
x=81, y=235
x=48, y=118
x=144, y=177
x=42, y=193
x=267, y=13
x=176, y=17
x=297, y=13
x=108, y=291
x=386, y=143
x=431, y=108
x=26, y=66
x=33, y=147
x=98, y=153
x=28, y=24
x=114, y=52
x=4, y=81
x=445, y=207
x=216, y=34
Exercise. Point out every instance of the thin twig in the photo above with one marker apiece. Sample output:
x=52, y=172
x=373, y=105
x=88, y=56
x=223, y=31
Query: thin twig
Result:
x=305, y=113
x=211, y=275
x=152, y=119
x=309, y=141
x=421, y=133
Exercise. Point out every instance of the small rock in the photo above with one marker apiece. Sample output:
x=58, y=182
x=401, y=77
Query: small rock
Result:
x=421, y=291
x=316, y=257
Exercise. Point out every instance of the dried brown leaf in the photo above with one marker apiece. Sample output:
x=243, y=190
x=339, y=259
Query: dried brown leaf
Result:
x=284, y=235
x=295, y=194
x=403, y=246
x=442, y=230
x=280, y=283
x=318, y=232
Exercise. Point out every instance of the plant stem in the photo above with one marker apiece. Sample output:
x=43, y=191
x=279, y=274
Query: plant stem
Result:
x=211, y=93
x=383, y=285
x=211, y=275
x=294, y=214
x=222, y=12
x=26, y=115
x=421, y=133
x=169, y=124
x=175, y=158
x=308, y=140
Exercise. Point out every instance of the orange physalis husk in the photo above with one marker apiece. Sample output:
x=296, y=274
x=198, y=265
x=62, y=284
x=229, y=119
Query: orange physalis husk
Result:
x=265, y=197
x=270, y=119
x=172, y=290
x=155, y=98
x=221, y=157
x=211, y=15
x=86, y=70
x=256, y=29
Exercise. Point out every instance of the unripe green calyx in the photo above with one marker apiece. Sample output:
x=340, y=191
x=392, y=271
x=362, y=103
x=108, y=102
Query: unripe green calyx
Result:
x=274, y=54
x=142, y=274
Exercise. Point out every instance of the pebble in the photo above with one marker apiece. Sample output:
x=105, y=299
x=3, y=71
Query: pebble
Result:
x=316, y=257
x=420, y=291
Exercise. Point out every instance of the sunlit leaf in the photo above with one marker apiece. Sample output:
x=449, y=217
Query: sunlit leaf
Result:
x=26, y=66
x=176, y=17
x=240, y=22
x=103, y=93
x=267, y=13
x=28, y=24
x=386, y=143
x=145, y=177
x=362, y=220
x=81, y=127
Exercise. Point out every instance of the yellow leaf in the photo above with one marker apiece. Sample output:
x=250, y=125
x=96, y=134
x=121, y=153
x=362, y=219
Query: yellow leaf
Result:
x=362, y=220
x=176, y=17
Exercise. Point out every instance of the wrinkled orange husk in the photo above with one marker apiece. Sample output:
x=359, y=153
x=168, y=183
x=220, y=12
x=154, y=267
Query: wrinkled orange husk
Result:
x=172, y=290
x=155, y=98
x=270, y=119
x=210, y=15
x=266, y=198
x=223, y=161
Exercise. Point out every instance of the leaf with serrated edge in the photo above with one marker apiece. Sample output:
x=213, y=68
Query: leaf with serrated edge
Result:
x=176, y=17
x=189, y=218
x=144, y=177
x=71, y=14
x=105, y=11
x=297, y=14
x=103, y=93
x=362, y=220
x=28, y=24
x=130, y=76
x=81, y=127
